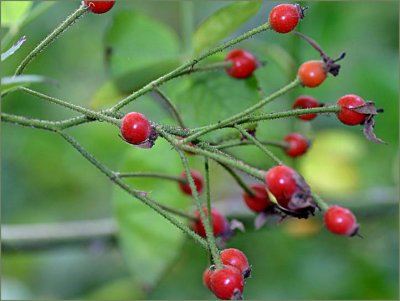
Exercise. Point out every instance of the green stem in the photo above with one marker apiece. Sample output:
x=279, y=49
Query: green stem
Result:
x=52, y=37
x=291, y=113
x=215, y=253
x=233, y=119
x=238, y=180
x=247, y=142
x=215, y=155
x=204, y=219
x=28, y=122
x=187, y=65
x=171, y=106
x=90, y=113
x=150, y=175
x=205, y=68
x=142, y=196
x=320, y=202
x=259, y=144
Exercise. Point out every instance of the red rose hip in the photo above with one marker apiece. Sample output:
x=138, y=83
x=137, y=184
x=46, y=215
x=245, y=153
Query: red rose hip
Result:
x=306, y=102
x=297, y=145
x=284, y=18
x=243, y=63
x=237, y=259
x=281, y=182
x=198, y=182
x=135, y=128
x=99, y=7
x=312, y=73
x=341, y=221
x=348, y=116
x=218, y=223
x=227, y=283
x=260, y=200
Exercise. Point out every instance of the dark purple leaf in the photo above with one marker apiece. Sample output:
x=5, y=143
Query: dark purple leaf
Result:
x=369, y=131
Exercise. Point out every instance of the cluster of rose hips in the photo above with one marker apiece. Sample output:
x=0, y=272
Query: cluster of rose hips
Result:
x=284, y=191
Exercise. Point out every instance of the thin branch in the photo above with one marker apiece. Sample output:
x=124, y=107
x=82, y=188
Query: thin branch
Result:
x=238, y=180
x=150, y=175
x=171, y=106
x=247, y=142
x=257, y=143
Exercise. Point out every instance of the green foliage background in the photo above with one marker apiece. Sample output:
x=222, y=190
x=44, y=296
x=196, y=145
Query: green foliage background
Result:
x=46, y=181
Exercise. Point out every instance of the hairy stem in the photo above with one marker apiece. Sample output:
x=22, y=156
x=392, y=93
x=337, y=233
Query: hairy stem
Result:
x=259, y=144
x=238, y=180
x=150, y=175
x=89, y=113
x=247, y=142
x=171, y=106
x=52, y=37
x=320, y=202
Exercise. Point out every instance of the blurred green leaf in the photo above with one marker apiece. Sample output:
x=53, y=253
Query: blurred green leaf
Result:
x=13, y=49
x=121, y=289
x=223, y=22
x=106, y=95
x=141, y=48
x=12, y=12
x=12, y=82
x=149, y=242
x=203, y=100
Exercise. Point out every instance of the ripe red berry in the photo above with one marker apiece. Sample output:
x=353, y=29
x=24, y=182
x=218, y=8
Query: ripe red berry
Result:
x=198, y=182
x=298, y=145
x=227, y=283
x=348, y=116
x=281, y=182
x=312, y=73
x=237, y=259
x=306, y=102
x=135, y=128
x=260, y=200
x=244, y=63
x=218, y=223
x=341, y=221
x=206, y=277
x=284, y=18
x=99, y=7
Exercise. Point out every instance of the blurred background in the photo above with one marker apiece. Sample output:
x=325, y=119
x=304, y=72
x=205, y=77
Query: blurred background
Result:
x=102, y=58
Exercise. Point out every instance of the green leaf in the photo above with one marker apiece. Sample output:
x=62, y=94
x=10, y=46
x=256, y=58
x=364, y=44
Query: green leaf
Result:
x=13, y=49
x=203, y=98
x=222, y=23
x=142, y=49
x=12, y=82
x=13, y=12
x=149, y=242
x=108, y=94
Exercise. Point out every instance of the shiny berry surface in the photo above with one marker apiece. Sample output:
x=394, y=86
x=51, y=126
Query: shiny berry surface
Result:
x=99, y=7
x=260, y=200
x=237, y=259
x=218, y=221
x=244, y=63
x=206, y=277
x=348, y=116
x=284, y=18
x=281, y=182
x=297, y=144
x=198, y=183
x=306, y=102
x=312, y=73
x=227, y=283
x=135, y=128
x=341, y=221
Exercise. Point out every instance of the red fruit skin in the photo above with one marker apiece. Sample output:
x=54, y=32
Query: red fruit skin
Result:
x=227, y=283
x=341, y=221
x=218, y=221
x=207, y=277
x=306, y=102
x=236, y=258
x=260, y=201
x=298, y=145
x=135, y=128
x=244, y=63
x=348, y=116
x=281, y=182
x=99, y=7
x=198, y=182
x=312, y=73
x=284, y=18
